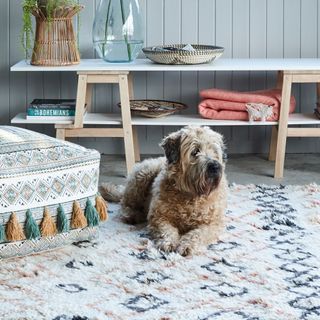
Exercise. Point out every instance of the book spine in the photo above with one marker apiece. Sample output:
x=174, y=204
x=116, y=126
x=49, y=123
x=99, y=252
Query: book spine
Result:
x=51, y=106
x=49, y=112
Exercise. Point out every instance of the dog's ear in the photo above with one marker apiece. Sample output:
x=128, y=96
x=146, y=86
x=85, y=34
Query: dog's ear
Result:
x=171, y=147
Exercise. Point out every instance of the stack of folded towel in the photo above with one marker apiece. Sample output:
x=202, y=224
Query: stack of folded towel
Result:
x=231, y=105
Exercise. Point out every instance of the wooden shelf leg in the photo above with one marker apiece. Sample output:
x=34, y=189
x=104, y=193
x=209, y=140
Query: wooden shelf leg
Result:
x=130, y=84
x=81, y=100
x=60, y=133
x=126, y=122
x=273, y=144
x=283, y=125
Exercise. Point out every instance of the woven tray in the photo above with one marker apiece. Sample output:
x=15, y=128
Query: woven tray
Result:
x=202, y=54
x=154, y=108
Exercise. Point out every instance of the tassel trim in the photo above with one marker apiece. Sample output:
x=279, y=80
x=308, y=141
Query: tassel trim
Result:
x=89, y=217
x=102, y=208
x=14, y=231
x=78, y=219
x=48, y=227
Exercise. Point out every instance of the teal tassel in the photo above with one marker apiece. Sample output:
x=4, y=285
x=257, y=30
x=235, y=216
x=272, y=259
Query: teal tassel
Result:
x=2, y=234
x=62, y=221
x=31, y=228
x=91, y=214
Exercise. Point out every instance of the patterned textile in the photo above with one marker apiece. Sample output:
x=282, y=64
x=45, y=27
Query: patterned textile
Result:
x=37, y=172
x=265, y=267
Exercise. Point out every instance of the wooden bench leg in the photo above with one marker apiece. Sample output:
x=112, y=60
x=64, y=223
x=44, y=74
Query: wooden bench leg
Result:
x=60, y=134
x=273, y=144
x=126, y=122
x=81, y=100
x=274, y=132
x=283, y=126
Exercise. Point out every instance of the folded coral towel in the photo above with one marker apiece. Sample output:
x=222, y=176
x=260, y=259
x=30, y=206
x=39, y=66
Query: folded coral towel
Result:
x=231, y=105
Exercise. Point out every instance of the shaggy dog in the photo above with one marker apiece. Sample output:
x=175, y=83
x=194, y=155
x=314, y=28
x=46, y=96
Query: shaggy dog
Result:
x=183, y=197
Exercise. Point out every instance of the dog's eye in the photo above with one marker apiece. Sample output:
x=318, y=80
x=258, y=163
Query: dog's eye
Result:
x=195, y=152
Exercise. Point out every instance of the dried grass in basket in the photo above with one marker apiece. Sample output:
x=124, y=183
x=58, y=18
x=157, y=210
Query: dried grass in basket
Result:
x=155, y=108
x=55, y=42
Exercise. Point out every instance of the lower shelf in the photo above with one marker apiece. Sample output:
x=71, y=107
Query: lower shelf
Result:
x=172, y=120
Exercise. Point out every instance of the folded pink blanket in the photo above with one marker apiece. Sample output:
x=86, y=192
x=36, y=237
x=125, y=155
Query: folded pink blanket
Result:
x=231, y=105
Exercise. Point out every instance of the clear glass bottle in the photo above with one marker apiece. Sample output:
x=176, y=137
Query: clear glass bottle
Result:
x=118, y=30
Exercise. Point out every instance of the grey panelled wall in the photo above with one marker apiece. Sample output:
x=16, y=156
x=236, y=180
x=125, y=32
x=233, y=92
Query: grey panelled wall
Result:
x=246, y=28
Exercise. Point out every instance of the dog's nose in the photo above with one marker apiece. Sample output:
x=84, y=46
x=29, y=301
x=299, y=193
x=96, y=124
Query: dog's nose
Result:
x=213, y=168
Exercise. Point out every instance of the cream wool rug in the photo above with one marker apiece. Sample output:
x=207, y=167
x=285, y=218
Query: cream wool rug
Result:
x=265, y=266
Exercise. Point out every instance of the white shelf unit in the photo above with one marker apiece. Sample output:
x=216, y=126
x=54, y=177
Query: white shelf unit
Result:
x=172, y=120
x=91, y=71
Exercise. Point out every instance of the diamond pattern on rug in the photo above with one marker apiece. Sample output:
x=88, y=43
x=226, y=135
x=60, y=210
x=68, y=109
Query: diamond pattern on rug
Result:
x=264, y=267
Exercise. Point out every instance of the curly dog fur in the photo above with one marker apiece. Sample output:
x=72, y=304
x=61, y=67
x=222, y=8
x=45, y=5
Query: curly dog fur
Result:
x=182, y=196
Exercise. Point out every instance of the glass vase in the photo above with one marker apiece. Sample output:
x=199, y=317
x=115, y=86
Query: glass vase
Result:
x=117, y=30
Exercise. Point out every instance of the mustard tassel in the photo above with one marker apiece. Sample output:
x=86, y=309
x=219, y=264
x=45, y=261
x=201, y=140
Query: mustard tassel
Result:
x=102, y=208
x=47, y=227
x=78, y=220
x=31, y=227
x=14, y=230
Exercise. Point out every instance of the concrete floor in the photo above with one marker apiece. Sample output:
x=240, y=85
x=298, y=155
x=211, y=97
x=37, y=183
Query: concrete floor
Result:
x=242, y=169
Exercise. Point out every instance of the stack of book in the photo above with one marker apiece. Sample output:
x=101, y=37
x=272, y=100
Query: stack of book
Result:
x=317, y=110
x=52, y=109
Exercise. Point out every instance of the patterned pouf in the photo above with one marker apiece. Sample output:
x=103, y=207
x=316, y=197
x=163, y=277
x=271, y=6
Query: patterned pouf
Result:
x=48, y=192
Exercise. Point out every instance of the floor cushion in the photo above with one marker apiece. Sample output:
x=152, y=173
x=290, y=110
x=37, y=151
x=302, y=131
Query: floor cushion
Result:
x=48, y=192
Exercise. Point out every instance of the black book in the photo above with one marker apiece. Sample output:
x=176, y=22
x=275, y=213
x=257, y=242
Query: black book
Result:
x=53, y=104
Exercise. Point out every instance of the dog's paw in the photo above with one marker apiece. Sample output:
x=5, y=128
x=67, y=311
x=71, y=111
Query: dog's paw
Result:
x=187, y=245
x=166, y=245
x=185, y=249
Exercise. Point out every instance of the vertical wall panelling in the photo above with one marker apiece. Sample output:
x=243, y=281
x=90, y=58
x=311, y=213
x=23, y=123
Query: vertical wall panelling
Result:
x=274, y=34
x=172, y=35
x=258, y=49
x=245, y=28
x=84, y=23
x=154, y=79
x=102, y=96
x=4, y=62
x=207, y=35
x=308, y=40
x=139, y=83
x=18, y=81
x=189, y=35
x=240, y=80
x=223, y=36
x=292, y=38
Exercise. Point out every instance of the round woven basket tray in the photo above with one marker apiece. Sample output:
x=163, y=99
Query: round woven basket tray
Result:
x=155, y=108
x=173, y=54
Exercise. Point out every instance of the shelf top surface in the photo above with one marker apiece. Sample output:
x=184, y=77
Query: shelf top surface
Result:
x=147, y=65
x=172, y=120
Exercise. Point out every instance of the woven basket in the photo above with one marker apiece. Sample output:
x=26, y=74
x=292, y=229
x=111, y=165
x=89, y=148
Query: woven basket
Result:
x=154, y=108
x=55, y=43
x=202, y=54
